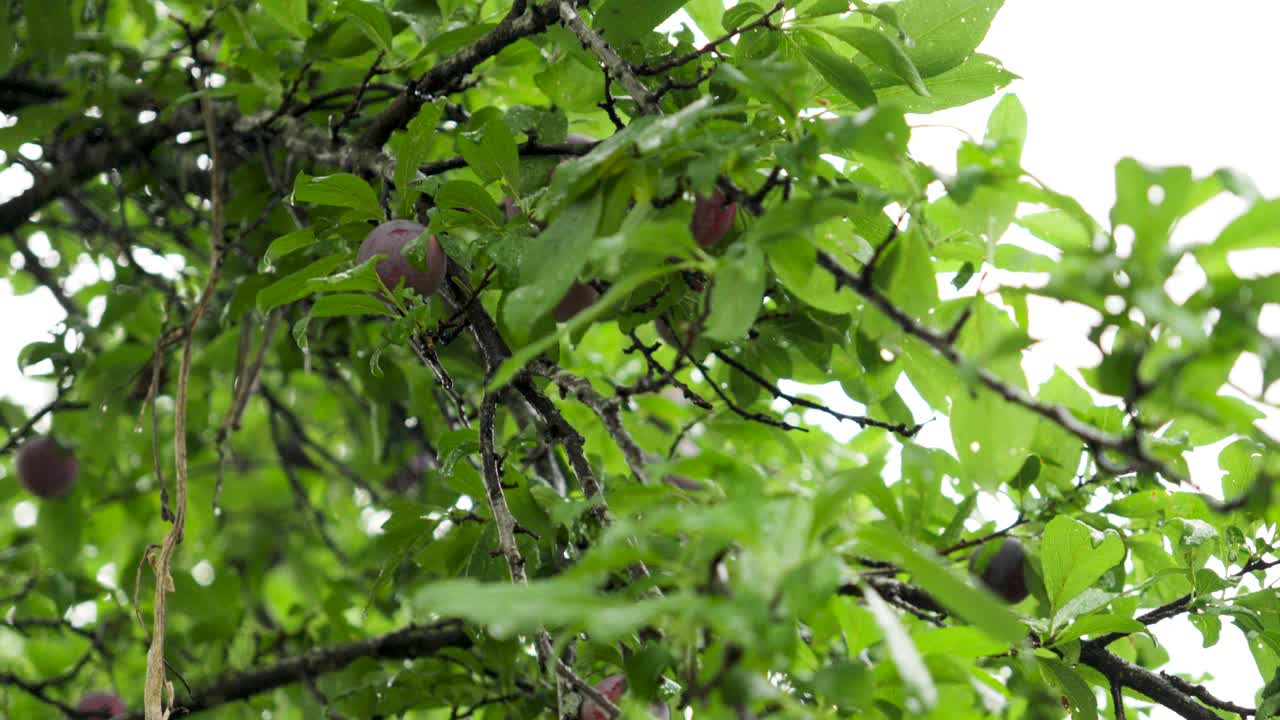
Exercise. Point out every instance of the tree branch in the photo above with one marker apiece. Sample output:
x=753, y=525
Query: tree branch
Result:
x=1098, y=440
x=1156, y=687
x=90, y=159
x=608, y=410
x=615, y=65
x=412, y=642
x=659, y=68
x=447, y=72
x=18, y=434
x=861, y=420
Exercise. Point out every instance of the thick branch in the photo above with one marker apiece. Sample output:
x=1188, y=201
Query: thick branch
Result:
x=446, y=73
x=19, y=92
x=90, y=159
x=1122, y=672
x=617, y=68
x=415, y=641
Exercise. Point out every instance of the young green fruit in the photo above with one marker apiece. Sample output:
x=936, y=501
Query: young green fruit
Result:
x=105, y=705
x=712, y=218
x=1001, y=566
x=46, y=469
x=612, y=688
x=389, y=239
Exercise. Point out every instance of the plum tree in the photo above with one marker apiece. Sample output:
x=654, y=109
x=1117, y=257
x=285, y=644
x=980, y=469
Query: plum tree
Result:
x=613, y=687
x=45, y=468
x=104, y=705
x=580, y=297
x=712, y=218
x=1002, y=568
x=389, y=239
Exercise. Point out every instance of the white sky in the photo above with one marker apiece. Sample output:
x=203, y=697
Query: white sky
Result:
x=1165, y=81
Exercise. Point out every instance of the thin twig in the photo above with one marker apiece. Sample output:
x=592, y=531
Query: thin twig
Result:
x=662, y=67
x=156, y=683
x=21, y=431
x=861, y=420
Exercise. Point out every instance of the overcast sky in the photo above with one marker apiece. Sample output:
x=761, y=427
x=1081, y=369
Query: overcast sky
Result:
x=1165, y=81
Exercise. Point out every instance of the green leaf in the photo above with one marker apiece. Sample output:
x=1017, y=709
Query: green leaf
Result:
x=842, y=74
x=1096, y=625
x=1058, y=228
x=707, y=14
x=739, y=15
x=8, y=37
x=1008, y=124
x=289, y=14
x=60, y=527
x=51, y=30
x=1259, y=227
x=910, y=665
x=469, y=201
x=1069, y=561
x=944, y=32
x=553, y=260
x=296, y=286
x=958, y=641
x=882, y=50
x=411, y=147
x=371, y=20
x=617, y=293
x=339, y=190
x=491, y=152
x=737, y=293
x=992, y=436
x=622, y=21
x=943, y=584
x=34, y=352
x=976, y=78
x=791, y=258
x=349, y=304
x=286, y=245
x=362, y=277
x=1150, y=200
x=1084, y=705
x=1269, y=707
